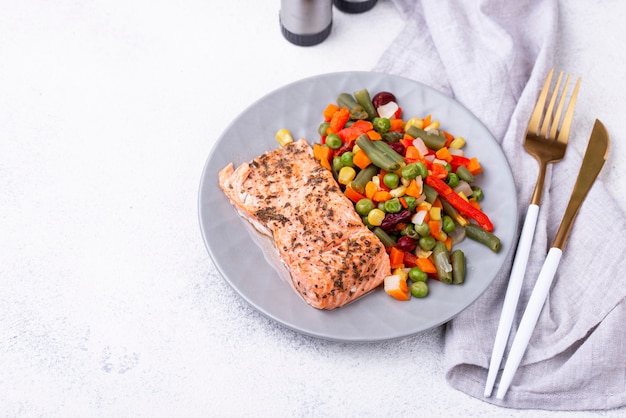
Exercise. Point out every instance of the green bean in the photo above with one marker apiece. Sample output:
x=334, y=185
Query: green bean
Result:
x=378, y=158
x=448, y=209
x=457, y=259
x=385, y=238
x=464, y=174
x=383, y=147
x=432, y=141
x=392, y=136
x=363, y=177
x=356, y=110
x=483, y=236
x=431, y=194
x=441, y=259
x=363, y=98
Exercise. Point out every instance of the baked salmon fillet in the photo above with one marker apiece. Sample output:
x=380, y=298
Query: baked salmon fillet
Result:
x=331, y=256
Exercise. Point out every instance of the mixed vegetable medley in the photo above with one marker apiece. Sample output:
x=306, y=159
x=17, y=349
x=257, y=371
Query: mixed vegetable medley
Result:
x=410, y=182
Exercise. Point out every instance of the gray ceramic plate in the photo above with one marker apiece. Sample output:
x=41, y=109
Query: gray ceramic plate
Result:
x=375, y=317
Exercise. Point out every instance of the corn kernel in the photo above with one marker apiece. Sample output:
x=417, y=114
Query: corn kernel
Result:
x=417, y=122
x=283, y=136
x=346, y=175
x=400, y=272
x=435, y=213
x=458, y=142
x=463, y=196
x=375, y=217
x=434, y=125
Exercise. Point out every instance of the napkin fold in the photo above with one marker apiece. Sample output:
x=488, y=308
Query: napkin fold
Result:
x=493, y=57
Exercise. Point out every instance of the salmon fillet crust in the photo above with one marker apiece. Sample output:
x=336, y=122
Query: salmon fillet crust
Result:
x=331, y=256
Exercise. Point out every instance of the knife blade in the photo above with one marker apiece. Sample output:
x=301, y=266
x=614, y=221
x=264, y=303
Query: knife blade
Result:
x=595, y=156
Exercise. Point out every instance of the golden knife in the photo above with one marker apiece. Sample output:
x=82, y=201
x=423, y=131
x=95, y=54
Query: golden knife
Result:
x=594, y=159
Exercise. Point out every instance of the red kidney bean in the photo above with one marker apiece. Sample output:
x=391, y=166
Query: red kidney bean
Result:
x=393, y=219
x=406, y=244
x=383, y=98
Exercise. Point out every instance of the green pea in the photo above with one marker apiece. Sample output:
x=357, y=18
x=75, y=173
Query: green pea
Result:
x=410, y=171
x=447, y=224
x=417, y=275
x=423, y=171
x=381, y=125
x=337, y=164
x=427, y=243
x=452, y=179
x=423, y=230
x=477, y=193
x=323, y=128
x=381, y=206
x=333, y=141
x=411, y=202
x=346, y=159
x=364, y=206
x=419, y=289
x=393, y=205
x=391, y=180
x=409, y=231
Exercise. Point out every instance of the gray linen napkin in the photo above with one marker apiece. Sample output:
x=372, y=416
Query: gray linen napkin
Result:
x=493, y=56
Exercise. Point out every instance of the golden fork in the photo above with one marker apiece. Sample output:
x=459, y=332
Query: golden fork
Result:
x=546, y=140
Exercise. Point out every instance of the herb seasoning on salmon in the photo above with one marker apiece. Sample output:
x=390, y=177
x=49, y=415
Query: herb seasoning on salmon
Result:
x=331, y=256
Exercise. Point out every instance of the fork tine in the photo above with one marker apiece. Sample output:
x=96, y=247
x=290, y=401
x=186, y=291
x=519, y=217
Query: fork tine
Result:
x=535, y=118
x=569, y=115
x=557, y=115
x=549, y=119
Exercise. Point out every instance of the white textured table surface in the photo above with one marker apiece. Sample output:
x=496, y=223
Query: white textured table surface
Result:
x=109, y=304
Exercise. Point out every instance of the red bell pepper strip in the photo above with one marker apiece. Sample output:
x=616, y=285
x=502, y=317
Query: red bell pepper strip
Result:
x=460, y=204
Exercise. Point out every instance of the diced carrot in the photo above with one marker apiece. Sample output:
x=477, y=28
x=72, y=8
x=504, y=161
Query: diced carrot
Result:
x=444, y=154
x=435, y=228
x=396, y=125
x=353, y=194
x=474, y=203
x=474, y=166
x=360, y=159
x=404, y=203
x=412, y=153
x=338, y=120
x=437, y=203
x=381, y=196
x=426, y=265
x=449, y=138
x=396, y=258
x=325, y=163
x=373, y=135
x=329, y=111
x=397, y=287
x=427, y=120
x=370, y=189
x=413, y=189
x=448, y=243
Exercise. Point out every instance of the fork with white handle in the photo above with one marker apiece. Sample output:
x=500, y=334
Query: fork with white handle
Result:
x=547, y=143
x=594, y=159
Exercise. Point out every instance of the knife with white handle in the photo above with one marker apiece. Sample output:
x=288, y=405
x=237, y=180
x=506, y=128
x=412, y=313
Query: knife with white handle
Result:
x=594, y=159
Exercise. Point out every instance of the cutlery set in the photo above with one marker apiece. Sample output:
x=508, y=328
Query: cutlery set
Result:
x=546, y=140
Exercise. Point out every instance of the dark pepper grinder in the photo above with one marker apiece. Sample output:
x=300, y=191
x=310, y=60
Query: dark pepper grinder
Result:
x=306, y=22
x=355, y=6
